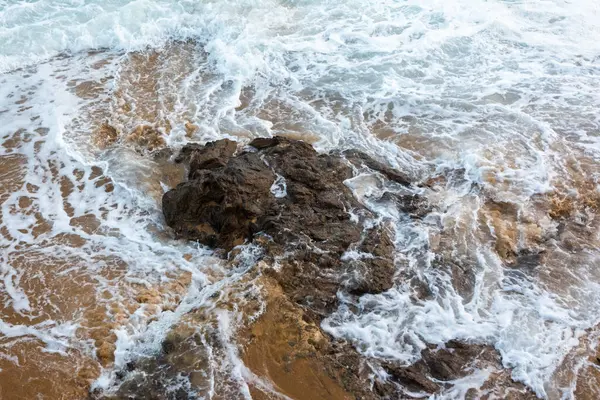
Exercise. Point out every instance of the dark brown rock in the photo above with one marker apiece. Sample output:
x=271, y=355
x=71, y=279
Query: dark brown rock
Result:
x=361, y=159
x=185, y=154
x=453, y=360
x=229, y=199
x=412, y=204
x=413, y=378
x=527, y=260
x=214, y=155
x=220, y=206
x=376, y=271
x=461, y=271
x=438, y=367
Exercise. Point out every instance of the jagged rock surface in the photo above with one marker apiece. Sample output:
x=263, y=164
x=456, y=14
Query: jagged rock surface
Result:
x=291, y=201
x=285, y=191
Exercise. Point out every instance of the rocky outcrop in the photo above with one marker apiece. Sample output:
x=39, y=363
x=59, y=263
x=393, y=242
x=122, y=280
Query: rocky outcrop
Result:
x=293, y=201
x=439, y=366
x=283, y=189
x=317, y=240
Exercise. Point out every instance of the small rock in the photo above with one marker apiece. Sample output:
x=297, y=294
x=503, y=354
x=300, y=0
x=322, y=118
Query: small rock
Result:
x=147, y=138
x=106, y=353
x=106, y=135
x=190, y=129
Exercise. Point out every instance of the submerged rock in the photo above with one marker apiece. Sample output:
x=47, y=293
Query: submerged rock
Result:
x=358, y=159
x=440, y=366
x=106, y=135
x=145, y=137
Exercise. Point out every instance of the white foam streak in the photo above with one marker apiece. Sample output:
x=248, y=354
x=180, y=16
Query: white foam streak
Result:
x=279, y=187
x=460, y=387
x=54, y=336
x=11, y=280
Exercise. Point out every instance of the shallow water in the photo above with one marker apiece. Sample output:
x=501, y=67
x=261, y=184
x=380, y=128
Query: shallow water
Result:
x=493, y=104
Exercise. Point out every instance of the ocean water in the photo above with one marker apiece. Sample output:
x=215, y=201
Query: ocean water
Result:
x=498, y=98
